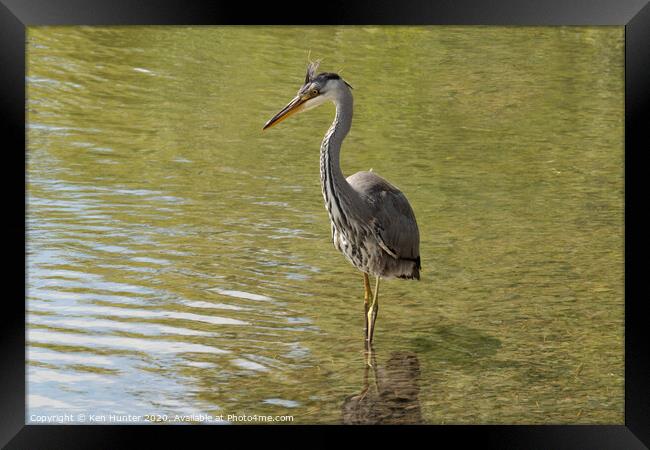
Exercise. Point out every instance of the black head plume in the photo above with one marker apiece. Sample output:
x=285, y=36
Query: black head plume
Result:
x=311, y=71
x=312, y=67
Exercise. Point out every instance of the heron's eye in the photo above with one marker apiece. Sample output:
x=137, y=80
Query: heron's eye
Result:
x=314, y=92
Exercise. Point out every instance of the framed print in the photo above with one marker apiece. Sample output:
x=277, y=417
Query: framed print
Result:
x=347, y=214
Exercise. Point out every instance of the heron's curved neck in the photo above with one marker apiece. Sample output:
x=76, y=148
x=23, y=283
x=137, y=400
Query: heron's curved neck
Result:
x=336, y=189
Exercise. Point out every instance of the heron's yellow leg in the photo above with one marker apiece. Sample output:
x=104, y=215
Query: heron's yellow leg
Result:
x=372, y=312
x=366, y=298
x=366, y=284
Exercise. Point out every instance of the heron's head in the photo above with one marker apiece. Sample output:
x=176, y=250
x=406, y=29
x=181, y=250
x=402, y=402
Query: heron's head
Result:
x=316, y=91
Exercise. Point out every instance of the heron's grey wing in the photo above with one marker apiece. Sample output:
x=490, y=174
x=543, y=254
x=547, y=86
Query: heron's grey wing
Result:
x=396, y=225
x=392, y=217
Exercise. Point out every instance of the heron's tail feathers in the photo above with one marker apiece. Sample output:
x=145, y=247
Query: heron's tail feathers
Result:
x=414, y=272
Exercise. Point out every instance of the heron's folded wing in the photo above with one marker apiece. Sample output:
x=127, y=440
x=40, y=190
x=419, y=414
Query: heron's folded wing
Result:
x=393, y=220
x=396, y=226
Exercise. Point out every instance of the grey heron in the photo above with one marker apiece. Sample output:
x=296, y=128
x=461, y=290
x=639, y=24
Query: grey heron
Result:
x=372, y=222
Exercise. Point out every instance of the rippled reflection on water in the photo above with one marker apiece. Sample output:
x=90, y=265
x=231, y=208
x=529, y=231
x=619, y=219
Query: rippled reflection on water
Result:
x=179, y=259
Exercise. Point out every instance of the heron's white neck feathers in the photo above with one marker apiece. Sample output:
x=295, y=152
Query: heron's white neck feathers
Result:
x=337, y=192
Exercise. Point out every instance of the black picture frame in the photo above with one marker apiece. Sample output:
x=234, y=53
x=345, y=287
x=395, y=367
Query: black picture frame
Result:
x=16, y=15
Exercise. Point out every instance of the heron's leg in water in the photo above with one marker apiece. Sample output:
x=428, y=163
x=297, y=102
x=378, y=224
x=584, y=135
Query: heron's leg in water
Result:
x=366, y=384
x=366, y=298
x=372, y=313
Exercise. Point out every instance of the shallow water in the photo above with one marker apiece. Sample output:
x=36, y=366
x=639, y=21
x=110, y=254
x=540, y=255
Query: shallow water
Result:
x=179, y=260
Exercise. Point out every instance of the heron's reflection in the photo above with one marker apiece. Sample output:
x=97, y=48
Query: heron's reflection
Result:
x=390, y=392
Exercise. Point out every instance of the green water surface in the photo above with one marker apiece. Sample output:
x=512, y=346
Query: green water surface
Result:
x=179, y=258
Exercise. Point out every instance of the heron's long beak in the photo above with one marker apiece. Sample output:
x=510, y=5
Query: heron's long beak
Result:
x=293, y=107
